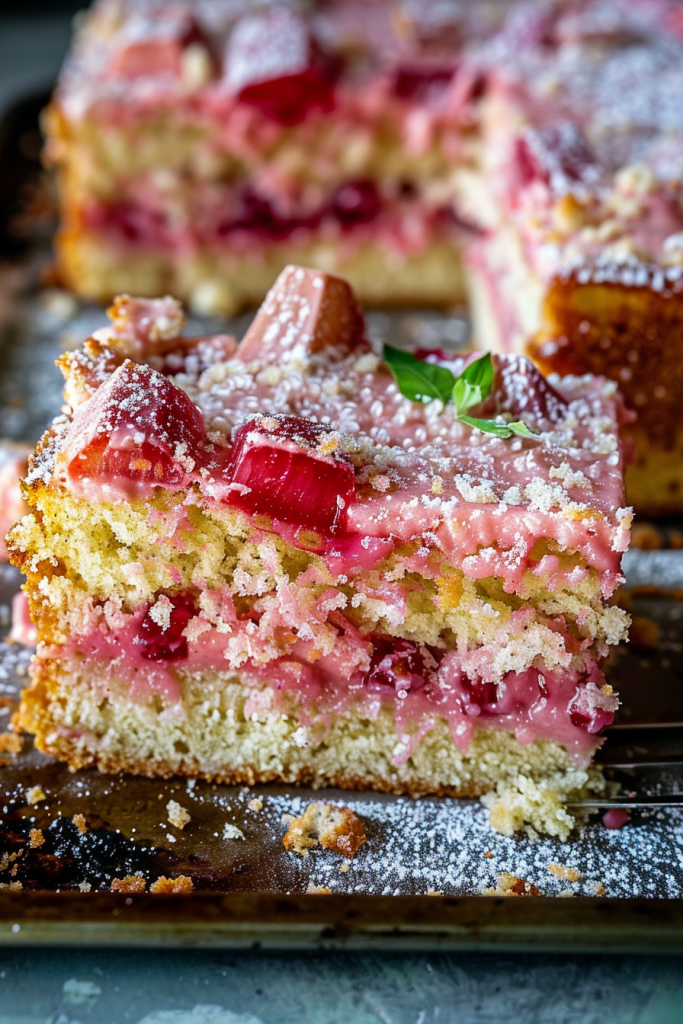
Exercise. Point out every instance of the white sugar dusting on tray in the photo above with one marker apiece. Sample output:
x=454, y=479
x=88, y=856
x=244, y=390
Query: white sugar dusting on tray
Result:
x=441, y=845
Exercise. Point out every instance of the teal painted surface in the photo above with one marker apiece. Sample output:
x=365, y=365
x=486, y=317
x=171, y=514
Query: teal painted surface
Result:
x=79, y=987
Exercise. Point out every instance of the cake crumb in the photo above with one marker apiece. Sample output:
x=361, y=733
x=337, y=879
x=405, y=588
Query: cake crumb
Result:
x=35, y=838
x=334, y=828
x=11, y=886
x=510, y=885
x=488, y=854
x=84, y=886
x=10, y=743
x=181, y=884
x=255, y=804
x=131, y=883
x=567, y=874
x=643, y=634
x=646, y=537
x=80, y=823
x=35, y=795
x=318, y=890
x=178, y=815
x=344, y=868
x=232, y=832
x=435, y=892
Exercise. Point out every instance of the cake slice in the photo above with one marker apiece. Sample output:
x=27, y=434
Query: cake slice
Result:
x=289, y=560
x=579, y=195
x=202, y=147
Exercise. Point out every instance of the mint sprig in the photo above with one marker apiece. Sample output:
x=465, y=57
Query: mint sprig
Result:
x=423, y=382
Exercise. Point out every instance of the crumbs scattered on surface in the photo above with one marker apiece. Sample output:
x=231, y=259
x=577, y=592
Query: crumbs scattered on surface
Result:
x=255, y=804
x=334, y=828
x=643, y=634
x=510, y=885
x=35, y=838
x=180, y=885
x=35, y=795
x=80, y=823
x=232, y=832
x=567, y=874
x=178, y=815
x=129, y=884
x=10, y=743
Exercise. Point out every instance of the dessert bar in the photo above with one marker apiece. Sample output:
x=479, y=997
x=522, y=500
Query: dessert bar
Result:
x=290, y=559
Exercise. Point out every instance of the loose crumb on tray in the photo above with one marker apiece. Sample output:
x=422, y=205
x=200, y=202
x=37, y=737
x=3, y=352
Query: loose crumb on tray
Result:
x=131, y=883
x=510, y=885
x=10, y=743
x=567, y=874
x=178, y=815
x=182, y=884
x=35, y=838
x=35, y=795
x=334, y=828
x=80, y=823
x=232, y=832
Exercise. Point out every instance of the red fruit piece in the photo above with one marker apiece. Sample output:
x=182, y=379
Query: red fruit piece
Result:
x=278, y=469
x=419, y=83
x=483, y=696
x=132, y=434
x=397, y=664
x=558, y=155
x=153, y=45
x=161, y=631
x=357, y=202
x=274, y=64
x=523, y=391
x=593, y=707
x=304, y=308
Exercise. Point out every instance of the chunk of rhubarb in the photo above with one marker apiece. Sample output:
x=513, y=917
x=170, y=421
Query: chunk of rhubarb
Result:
x=397, y=664
x=558, y=156
x=143, y=327
x=137, y=431
x=304, y=309
x=421, y=83
x=154, y=45
x=522, y=390
x=357, y=202
x=160, y=637
x=286, y=468
x=273, y=63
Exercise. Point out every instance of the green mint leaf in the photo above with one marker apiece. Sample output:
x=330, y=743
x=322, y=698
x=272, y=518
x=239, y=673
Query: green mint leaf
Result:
x=418, y=380
x=499, y=428
x=465, y=395
x=480, y=374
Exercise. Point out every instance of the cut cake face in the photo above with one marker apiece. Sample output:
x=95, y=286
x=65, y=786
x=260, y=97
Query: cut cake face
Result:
x=262, y=561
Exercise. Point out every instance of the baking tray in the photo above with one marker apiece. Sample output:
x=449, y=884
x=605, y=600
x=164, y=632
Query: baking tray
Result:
x=419, y=879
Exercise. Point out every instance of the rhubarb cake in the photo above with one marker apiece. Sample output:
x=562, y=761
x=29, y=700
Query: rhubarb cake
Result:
x=291, y=560
x=204, y=145
x=579, y=194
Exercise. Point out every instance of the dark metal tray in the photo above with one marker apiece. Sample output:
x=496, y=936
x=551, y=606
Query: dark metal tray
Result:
x=419, y=879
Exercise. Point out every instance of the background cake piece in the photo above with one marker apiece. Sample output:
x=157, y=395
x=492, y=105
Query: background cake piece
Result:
x=581, y=198
x=202, y=147
x=265, y=562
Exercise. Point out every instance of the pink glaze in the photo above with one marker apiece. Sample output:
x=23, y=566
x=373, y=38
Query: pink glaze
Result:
x=420, y=476
x=533, y=704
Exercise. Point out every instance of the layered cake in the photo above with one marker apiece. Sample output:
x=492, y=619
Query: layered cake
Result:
x=204, y=145
x=291, y=560
x=579, y=192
